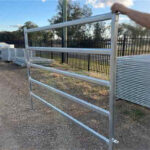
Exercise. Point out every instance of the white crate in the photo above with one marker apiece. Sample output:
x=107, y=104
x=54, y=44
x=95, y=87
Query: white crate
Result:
x=133, y=79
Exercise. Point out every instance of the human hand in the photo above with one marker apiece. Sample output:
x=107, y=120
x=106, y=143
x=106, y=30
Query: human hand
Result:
x=119, y=8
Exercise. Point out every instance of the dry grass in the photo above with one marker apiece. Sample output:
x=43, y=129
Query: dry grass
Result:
x=92, y=93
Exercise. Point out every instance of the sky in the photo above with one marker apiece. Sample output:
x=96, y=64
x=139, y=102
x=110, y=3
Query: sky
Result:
x=14, y=13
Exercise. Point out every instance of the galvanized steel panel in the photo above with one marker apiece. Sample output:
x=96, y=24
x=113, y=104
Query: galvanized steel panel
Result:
x=7, y=54
x=133, y=79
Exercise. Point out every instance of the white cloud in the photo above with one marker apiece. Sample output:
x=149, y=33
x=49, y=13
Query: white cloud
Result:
x=15, y=26
x=105, y=3
x=124, y=19
x=10, y=26
x=43, y=0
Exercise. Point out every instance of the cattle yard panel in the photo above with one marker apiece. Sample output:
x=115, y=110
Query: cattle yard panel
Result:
x=111, y=84
x=7, y=54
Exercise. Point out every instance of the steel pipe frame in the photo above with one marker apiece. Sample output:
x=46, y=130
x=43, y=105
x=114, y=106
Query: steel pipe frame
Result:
x=73, y=98
x=74, y=75
x=27, y=54
x=71, y=118
x=114, y=30
x=73, y=50
x=112, y=91
x=86, y=20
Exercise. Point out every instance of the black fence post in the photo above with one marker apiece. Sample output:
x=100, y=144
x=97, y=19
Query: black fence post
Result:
x=67, y=57
x=89, y=59
x=124, y=45
x=62, y=58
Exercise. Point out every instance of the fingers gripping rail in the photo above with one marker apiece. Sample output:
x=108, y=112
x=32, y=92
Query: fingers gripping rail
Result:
x=111, y=84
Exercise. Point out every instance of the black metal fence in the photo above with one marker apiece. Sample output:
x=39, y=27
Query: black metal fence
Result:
x=95, y=63
x=98, y=63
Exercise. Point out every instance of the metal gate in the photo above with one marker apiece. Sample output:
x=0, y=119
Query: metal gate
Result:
x=111, y=84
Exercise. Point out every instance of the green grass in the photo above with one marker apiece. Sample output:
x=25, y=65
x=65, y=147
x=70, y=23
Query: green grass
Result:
x=82, y=64
x=90, y=92
x=134, y=114
x=94, y=65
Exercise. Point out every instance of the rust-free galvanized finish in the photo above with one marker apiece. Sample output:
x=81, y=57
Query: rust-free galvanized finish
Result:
x=112, y=52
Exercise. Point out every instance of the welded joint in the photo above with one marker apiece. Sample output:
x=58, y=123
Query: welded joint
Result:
x=115, y=141
x=30, y=78
x=28, y=63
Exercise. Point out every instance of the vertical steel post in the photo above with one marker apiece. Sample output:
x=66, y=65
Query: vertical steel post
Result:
x=124, y=45
x=27, y=56
x=65, y=2
x=112, y=97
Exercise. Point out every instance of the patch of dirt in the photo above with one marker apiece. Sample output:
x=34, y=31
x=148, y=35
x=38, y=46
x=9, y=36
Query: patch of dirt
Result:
x=43, y=129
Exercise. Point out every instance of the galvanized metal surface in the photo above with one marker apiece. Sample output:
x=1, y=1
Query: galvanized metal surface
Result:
x=7, y=54
x=27, y=56
x=38, y=60
x=17, y=56
x=73, y=98
x=92, y=19
x=74, y=75
x=112, y=91
x=133, y=79
x=111, y=52
x=73, y=50
x=71, y=118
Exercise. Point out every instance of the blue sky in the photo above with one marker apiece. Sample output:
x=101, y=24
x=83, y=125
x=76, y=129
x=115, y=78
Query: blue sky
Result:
x=16, y=12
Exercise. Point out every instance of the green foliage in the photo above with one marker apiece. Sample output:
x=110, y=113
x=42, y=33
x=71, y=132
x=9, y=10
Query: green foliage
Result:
x=99, y=29
x=35, y=38
x=74, y=11
x=133, y=30
x=28, y=25
x=135, y=114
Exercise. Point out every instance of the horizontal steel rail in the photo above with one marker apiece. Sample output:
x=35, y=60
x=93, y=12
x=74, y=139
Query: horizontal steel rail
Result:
x=73, y=50
x=86, y=20
x=73, y=98
x=74, y=75
x=71, y=118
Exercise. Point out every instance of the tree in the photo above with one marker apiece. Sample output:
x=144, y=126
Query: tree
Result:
x=133, y=30
x=17, y=37
x=33, y=37
x=74, y=11
x=99, y=29
x=28, y=25
x=47, y=37
x=37, y=38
